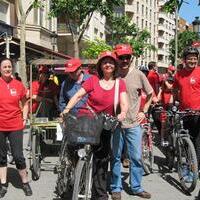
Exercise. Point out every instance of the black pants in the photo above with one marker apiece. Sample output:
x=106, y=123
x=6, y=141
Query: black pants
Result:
x=16, y=143
x=100, y=167
x=192, y=123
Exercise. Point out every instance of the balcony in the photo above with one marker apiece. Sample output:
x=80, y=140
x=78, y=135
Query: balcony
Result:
x=129, y=8
x=161, y=51
x=161, y=39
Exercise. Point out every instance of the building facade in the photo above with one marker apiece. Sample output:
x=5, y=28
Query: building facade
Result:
x=166, y=32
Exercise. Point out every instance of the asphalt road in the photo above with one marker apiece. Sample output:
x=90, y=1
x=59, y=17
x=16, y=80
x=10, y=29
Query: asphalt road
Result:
x=161, y=184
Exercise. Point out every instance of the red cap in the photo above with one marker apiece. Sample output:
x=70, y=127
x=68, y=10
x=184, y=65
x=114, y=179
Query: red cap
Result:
x=72, y=65
x=171, y=68
x=43, y=69
x=106, y=54
x=123, y=49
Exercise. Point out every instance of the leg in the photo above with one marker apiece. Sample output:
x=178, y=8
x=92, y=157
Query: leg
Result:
x=100, y=167
x=3, y=164
x=133, y=137
x=16, y=144
x=117, y=146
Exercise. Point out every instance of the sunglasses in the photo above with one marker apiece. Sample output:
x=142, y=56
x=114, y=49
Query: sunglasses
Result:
x=125, y=57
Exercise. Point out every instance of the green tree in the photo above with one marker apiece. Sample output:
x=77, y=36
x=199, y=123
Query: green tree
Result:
x=78, y=14
x=125, y=31
x=94, y=48
x=185, y=38
x=171, y=5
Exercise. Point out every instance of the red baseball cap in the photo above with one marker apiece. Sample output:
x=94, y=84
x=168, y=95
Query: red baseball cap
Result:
x=72, y=65
x=43, y=69
x=171, y=68
x=106, y=54
x=123, y=49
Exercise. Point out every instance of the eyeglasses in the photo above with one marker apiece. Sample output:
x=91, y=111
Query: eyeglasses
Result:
x=125, y=57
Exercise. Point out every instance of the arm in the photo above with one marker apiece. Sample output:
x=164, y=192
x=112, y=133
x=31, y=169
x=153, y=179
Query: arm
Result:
x=25, y=109
x=39, y=98
x=62, y=99
x=141, y=115
x=74, y=100
x=123, y=106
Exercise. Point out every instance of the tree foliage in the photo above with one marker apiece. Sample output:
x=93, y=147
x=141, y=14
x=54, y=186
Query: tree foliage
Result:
x=94, y=48
x=171, y=5
x=185, y=39
x=125, y=31
x=79, y=12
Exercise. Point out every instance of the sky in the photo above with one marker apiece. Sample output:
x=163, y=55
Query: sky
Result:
x=190, y=11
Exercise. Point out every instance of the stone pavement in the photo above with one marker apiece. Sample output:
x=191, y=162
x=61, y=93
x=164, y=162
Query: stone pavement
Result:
x=161, y=184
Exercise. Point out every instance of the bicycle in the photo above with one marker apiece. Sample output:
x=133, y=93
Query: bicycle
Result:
x=78, y=176
x=181, y=147
x=147, y=147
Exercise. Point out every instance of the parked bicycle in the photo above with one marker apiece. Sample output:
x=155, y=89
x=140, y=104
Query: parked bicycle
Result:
x=181, y=147
x=147, y=147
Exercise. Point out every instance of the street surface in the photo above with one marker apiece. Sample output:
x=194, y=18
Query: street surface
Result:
x=162, y=185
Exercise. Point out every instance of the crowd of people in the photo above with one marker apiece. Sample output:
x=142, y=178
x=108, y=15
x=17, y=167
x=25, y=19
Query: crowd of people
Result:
x=139, y=89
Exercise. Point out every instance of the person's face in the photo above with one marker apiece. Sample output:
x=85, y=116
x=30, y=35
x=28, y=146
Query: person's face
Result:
x=107, y=65
x=171, y=72
x=6, y=68
x=75, y=75
x=124, y=61
x=191, y=61
x=43, y=77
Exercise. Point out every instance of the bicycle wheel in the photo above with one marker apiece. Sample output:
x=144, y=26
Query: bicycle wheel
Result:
x=36, y=156
x=187, y=164
x=170, y=153
x=83, y=179
x=147, y=154
x=65, y=171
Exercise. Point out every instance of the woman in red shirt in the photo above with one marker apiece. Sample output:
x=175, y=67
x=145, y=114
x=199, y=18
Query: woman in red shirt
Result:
x=12, y=122
x=100, y=90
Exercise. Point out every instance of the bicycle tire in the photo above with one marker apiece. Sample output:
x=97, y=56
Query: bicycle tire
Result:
x=170, y=153
x=83, y=180
x=64, y=179
x=36, y=156
x=147, y=155
x=187, y=146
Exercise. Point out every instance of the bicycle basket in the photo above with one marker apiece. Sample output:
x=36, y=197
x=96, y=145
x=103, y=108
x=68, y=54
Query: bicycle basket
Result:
x=83, y=129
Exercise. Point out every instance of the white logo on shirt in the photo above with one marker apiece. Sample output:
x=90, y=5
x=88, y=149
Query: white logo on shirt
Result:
x=192, y=80
x=13, y=92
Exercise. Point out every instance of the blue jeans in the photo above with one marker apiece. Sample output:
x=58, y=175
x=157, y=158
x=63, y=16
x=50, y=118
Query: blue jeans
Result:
x=133, y=139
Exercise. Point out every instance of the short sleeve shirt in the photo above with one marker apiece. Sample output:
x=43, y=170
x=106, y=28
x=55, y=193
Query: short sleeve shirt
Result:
x=136, y=82
x=43, y=90
x=154, y=80
x=99, y=99
x=10, y=112
x=188, y=83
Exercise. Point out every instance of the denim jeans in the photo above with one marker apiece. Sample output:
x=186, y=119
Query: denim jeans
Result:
x=133, y=139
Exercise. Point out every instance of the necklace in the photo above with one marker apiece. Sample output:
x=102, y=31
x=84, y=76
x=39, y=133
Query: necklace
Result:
x=107, y=84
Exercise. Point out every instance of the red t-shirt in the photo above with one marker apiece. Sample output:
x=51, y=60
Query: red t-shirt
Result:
x=99, y=99
x=10, y=111
x=188, y=82
x=43, y=90
x=154, y=80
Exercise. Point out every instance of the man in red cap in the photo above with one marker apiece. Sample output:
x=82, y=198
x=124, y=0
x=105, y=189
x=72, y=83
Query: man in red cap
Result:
x=76, y=77
x=131, y=132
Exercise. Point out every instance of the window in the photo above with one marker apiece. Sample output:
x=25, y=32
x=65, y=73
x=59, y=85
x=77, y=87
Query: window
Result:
x=101, y=35
x=138, y=8
x=95, y=31
x=35, y=16
x=142, y=9
x=4, y=11
x=41, y=17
